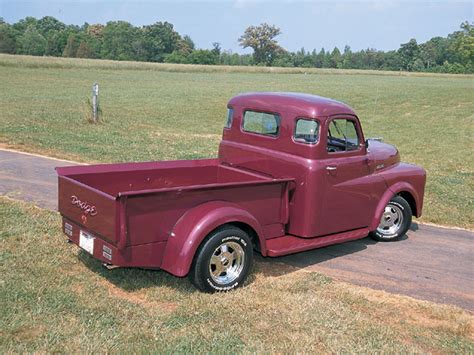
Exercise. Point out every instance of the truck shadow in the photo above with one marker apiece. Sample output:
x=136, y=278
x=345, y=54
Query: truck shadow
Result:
x=134, y=279
x=283, y=265
x=286, y=264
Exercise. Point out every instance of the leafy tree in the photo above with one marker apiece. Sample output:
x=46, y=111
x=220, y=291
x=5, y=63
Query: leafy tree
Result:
x=373, y=58
x=55, y=43
x=119, y=41
x=287, y=59
x=49, y=24
x=433, y=52
x=183, y=48
x=189, y=42
x=72, y=45
x=96, y=31
x=336, y=58
x=216, y=49
x=202, y=56
x=22, y=25
x=418, y=65
x=298, y=59
x=408, y=53
x=261, y=40
x=346, y=58
x=229, y=58
x=7, y=38
x=327, y=60
x=440, y=45
x=84, y=51
x=318, y=60
x=392, y=61
x=462, y=44
x=160, y=42
x=160, y=39
x=32, y=42
x=176, y=57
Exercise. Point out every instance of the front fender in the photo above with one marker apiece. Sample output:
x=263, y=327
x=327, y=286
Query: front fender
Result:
x=387, y=196
x=195, y=225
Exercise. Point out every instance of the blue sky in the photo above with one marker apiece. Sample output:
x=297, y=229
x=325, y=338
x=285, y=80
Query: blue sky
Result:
x=310, y=24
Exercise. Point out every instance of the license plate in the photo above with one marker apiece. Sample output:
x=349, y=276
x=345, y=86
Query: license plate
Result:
x=86, y=242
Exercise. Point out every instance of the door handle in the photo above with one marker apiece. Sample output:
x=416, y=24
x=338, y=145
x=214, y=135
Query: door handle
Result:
x=331, y=168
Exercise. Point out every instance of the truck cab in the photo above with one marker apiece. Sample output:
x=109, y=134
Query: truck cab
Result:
x=294, y=172
x=340, y=178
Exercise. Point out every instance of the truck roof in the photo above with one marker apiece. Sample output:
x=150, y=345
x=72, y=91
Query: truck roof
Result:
x=299, y=103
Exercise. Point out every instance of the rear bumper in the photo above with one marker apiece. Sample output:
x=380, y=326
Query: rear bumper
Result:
x=146, y=255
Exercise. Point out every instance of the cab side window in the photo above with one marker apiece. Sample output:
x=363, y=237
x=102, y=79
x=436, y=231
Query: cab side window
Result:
x=342, y=136
x=230, y=115
x=306, y=131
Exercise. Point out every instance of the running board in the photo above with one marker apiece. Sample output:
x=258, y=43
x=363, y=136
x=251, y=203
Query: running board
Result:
x=290, y=244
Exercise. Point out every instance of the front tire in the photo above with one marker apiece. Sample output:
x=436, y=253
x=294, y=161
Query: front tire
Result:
x=223, y=261
x=395, y=220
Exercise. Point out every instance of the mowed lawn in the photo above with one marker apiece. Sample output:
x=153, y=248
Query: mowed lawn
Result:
x=155, y=112
x=56, y=298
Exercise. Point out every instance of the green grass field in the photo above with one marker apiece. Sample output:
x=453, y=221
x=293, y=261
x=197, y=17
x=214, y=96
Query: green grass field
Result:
x=56, y=298
x=155, y=112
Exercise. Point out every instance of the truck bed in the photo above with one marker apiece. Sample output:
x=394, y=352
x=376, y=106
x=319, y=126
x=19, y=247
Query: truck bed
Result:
x=134, y=178
x=134, y=204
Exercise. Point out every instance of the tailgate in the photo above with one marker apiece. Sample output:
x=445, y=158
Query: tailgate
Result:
x=88, y=207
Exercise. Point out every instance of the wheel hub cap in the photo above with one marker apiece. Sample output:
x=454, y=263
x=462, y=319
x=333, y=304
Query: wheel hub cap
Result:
x=391, y=220
x=226, y=263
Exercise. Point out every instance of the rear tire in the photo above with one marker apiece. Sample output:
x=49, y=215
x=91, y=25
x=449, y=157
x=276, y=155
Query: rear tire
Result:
x=223, y=261
x=395, y=221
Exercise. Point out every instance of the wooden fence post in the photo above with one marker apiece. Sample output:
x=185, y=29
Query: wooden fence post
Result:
x=95, y=102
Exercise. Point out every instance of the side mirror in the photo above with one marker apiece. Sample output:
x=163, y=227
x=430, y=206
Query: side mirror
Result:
x=378, y=139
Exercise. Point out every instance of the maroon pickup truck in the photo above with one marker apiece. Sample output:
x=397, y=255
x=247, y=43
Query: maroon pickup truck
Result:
x=293, y=173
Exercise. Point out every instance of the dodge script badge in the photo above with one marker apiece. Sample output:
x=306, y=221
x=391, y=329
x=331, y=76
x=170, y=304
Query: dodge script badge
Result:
x=84, y=206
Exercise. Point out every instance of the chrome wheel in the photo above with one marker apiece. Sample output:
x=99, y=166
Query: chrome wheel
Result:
x=391, y=221
x=227, y=262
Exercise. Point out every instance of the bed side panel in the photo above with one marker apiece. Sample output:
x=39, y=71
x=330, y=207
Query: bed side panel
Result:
x=151, y=218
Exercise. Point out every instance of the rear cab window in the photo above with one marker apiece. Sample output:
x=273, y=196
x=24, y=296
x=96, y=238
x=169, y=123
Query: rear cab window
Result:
x=263, y=123
x=306, y=131
x=342, y=136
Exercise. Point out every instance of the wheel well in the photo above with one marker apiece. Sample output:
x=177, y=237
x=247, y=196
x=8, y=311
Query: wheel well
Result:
x=250, y=231
x=410, y=199
x=243, y=226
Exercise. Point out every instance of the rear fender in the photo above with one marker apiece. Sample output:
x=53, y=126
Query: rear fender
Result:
x=387, y=196
x=193, y=227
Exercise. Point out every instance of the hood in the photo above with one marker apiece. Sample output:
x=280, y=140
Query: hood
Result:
x=383, y=155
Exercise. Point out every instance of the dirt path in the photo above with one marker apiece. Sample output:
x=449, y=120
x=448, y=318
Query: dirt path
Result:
x=430, y=263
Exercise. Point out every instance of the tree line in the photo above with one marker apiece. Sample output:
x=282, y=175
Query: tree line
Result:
x=160, y=42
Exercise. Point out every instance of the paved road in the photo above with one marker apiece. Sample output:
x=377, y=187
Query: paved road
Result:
x=30, y=178
x=430, y=263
